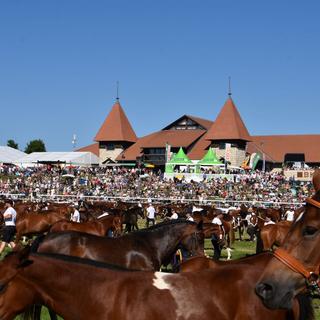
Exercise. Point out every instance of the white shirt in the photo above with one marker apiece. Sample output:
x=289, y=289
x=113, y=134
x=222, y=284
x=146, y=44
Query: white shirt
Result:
x=174, y=216
x=76, y=216
x=151, y=212
x=12, y=220
x=269, y=222
x=290, y=215
x=217, y=221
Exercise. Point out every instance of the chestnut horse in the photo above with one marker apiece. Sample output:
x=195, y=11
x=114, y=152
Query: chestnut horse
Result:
x=295, y=265
x=99, y=291
x=242, y=275
x=29, y=224
x=274, y=234
x=146, y=249
x=98, y=227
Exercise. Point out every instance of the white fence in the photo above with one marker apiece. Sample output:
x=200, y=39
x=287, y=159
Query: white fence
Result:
x=197, y=176
x=218, y=202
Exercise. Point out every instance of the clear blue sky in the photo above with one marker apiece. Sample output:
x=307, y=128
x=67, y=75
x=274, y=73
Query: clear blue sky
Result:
x=60, y=60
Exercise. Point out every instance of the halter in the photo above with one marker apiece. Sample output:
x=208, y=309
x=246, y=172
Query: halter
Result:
x=312, y=276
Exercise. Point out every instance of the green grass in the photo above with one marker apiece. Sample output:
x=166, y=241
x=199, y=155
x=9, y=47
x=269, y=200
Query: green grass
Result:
x=240, y=249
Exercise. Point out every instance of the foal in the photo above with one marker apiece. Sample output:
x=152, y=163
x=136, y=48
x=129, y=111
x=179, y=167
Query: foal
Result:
x=105, y=292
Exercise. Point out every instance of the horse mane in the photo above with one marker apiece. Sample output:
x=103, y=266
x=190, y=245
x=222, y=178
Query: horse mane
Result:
x=165, y=224
x=83, y=261
x=306, y=309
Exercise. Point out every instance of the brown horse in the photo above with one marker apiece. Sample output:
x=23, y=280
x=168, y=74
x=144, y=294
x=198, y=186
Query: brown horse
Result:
x=29, y=224
x=146, y=249
x=242, y=275
x=109, y=293
x=296, y=264
x=274, y=234
x=98, y=227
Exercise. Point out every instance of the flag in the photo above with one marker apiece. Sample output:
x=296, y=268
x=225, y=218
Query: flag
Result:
x=168, y=152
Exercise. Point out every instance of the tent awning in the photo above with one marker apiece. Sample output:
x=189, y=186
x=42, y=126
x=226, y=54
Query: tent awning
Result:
x=180, y=158
x=210, y=159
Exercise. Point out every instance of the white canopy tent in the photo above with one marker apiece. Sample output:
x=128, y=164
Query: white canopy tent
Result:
x=10, y=155
x=72, y=158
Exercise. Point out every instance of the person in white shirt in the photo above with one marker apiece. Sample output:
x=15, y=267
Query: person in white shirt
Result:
x=289, y=215
x=268, y=221
x=9, y=229
x=189, y=217
x=174, y=216
x=75, y=216
x=151, y=215
x=217, y=238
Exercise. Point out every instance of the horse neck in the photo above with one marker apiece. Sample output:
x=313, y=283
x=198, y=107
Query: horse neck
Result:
x=54, y=293
x=167, y=239
x=17, y=297
x=106, y=222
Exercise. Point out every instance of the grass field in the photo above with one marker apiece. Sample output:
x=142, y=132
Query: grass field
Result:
x=240, y=249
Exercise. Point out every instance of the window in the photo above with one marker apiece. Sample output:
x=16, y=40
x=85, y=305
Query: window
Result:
x=110, y=146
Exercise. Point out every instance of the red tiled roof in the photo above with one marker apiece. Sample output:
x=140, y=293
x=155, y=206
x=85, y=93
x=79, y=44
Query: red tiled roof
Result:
x=203, y=122
x=94, y=148
x=228, y=125
x=200, y=148
x=116, y=127
x=206, y=124
x=176, y=138
x=275, y=147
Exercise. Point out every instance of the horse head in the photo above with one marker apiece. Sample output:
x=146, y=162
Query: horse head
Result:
x=296, y=264
x=193, y=239
x=11, y=264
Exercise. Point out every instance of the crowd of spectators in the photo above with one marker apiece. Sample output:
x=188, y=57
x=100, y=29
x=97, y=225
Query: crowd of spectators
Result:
x=50, y=180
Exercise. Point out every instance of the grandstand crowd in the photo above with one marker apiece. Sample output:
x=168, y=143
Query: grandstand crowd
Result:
x=50, y=180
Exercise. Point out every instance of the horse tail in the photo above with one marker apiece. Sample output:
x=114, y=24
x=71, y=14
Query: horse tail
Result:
x=259, y=246
x=305, y=306
x=232, y=236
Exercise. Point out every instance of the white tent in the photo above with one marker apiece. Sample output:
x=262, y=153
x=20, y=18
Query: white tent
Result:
x=10, y=155
x=74, y=158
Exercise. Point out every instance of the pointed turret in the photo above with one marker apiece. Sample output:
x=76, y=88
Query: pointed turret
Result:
x=116, y=127
x=229, y=135
x=115, y=135
x=228, y=125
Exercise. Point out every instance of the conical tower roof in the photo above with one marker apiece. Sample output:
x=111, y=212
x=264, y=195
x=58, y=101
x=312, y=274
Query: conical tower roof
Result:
x=116, y=127
x=228, y=125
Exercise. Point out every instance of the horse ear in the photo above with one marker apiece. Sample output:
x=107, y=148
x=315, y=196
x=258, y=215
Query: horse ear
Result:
x=200, y=225
x=316, y=180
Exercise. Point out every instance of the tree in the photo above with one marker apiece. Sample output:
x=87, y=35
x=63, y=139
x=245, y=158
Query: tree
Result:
x=35, y=146
x=12, y=144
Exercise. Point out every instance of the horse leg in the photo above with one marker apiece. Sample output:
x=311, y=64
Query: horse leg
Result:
x=228, y=253
x=259, y=246
x=228, y=249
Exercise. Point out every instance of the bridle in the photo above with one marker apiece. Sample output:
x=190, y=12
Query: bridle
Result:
x=311, y=276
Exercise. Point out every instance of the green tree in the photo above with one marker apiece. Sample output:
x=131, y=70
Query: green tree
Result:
x=35, y=146
x=11, y=143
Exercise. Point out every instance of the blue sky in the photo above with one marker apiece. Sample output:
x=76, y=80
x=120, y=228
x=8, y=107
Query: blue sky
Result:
x=60, y=61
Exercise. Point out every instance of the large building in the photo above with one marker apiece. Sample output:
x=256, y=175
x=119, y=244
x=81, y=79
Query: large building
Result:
x=116, y=140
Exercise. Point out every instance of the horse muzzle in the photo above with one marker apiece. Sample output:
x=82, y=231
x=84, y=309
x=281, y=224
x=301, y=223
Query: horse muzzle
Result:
x=274, y=297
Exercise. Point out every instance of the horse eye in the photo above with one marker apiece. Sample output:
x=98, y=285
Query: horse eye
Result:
x=309, y=231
